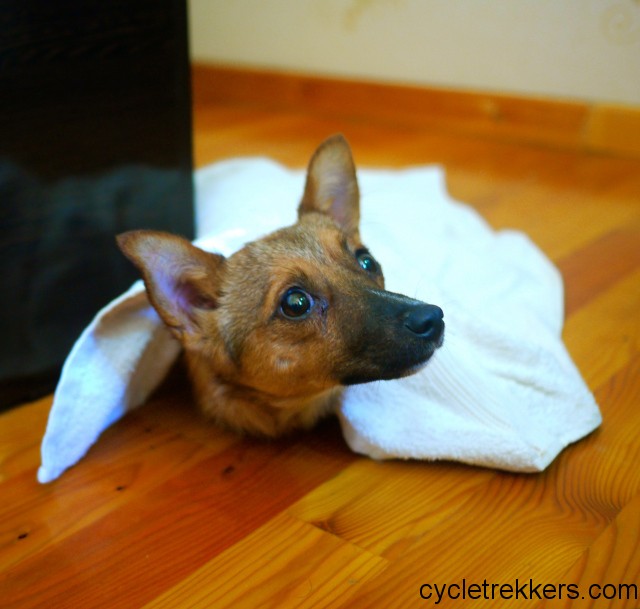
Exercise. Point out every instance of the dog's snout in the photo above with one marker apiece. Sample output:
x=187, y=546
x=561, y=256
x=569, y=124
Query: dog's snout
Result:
x=426, y=321
x=394, y=337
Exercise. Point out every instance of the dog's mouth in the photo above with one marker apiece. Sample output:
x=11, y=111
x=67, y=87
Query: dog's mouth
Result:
x=387, y=375
x=421, y=365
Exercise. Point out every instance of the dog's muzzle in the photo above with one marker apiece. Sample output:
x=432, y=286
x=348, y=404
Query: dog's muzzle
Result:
x=391, y=336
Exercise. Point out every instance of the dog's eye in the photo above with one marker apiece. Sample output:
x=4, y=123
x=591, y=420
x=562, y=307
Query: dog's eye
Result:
x=366, y=261
x=296, y=303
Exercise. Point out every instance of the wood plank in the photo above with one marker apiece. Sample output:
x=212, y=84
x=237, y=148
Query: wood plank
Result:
x=550, y=215
x=503, y=116
x=551, y=122
x=501, y=532
x=614, y=129
x=605, y=465
x=594, y=268
x=20, y=434
x=371, y=489
x=156, y=477
x=604, y=336
x=608, y=572
x=130, y=459
x=285, y=563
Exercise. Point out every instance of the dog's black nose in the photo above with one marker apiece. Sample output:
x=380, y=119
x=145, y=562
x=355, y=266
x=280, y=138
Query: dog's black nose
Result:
x=426, y=321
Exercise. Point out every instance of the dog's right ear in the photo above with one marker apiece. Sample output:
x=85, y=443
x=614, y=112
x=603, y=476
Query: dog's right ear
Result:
x=181, y=279
x=332, y=186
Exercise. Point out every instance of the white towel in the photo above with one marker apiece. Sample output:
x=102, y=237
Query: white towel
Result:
x=502, y=391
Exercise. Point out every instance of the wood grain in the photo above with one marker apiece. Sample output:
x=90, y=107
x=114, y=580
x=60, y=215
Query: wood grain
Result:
x=168, y=511
x=612, y=558
x=293, y=565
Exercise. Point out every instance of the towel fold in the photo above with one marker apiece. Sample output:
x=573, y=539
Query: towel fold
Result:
x=502, y=392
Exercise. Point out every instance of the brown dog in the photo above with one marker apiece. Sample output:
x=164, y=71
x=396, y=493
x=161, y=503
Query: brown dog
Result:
x=272, y=333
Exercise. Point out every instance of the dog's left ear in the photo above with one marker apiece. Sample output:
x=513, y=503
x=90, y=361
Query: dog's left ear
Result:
x=181, y=279
x=332, y=185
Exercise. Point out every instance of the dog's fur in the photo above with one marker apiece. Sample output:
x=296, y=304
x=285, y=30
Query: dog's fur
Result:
x=272, y=333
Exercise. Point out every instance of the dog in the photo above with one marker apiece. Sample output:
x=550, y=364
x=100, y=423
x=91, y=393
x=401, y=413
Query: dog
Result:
x=273, y=333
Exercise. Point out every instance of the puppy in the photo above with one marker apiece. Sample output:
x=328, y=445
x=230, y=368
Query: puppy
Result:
x=274, y=332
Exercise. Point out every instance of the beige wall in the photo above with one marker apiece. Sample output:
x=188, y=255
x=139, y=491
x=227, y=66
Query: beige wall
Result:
x=581, y=49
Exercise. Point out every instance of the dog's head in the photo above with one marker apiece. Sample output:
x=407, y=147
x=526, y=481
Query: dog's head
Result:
x=299, y=311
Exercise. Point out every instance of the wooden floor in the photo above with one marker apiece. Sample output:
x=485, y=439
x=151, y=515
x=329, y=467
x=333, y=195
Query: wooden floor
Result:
x=167, y=511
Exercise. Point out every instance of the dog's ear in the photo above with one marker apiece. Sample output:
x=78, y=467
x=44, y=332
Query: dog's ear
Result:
x=332, y=185
x=180, y=279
